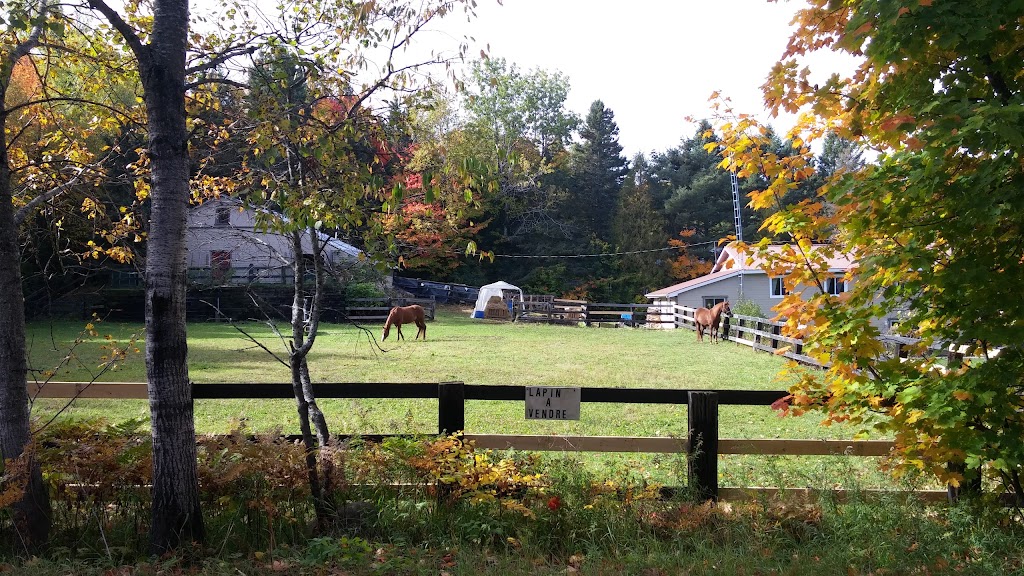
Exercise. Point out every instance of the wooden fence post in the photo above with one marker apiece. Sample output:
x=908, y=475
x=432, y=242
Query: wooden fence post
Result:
x=702, y=456
x=451, y=407
x=966, y=488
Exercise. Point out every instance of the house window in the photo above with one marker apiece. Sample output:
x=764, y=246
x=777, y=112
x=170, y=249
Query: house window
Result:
x=220, y=266
x=835, y=286
x=711, y=301
x=778, y=288
x=223, y=216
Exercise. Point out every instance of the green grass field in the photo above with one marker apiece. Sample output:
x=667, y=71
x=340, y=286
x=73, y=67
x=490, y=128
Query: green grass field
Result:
x=476, y=352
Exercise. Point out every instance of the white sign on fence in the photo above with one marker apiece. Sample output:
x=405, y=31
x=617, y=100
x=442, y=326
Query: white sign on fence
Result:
x=551, y=403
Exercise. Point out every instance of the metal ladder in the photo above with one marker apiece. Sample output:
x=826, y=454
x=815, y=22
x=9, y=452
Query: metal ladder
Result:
x=737, y=221
x=736, y=206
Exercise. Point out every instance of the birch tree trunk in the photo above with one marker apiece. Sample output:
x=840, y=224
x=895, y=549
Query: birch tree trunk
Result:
x=176, y=515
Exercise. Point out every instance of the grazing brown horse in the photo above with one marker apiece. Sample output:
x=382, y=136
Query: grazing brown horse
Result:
x=706, y=318
x=405, y=315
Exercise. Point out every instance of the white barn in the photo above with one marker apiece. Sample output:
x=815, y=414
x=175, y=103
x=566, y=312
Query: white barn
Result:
x=732, y=278
x=225, y=247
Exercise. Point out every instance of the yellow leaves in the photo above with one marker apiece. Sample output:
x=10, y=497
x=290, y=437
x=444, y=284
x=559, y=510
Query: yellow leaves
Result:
x=962, y=395
x=90, y=208
x=913, y=416
x=142, y=189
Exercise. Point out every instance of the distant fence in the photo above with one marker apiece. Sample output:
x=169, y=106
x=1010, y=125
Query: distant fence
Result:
x=220, y=306
x=766, y=335
x=702, y=444
x=376, y=309
x=550, y=310
x=442, y=292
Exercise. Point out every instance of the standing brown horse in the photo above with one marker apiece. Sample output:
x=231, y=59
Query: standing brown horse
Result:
x=706, y=318
x=405, y=315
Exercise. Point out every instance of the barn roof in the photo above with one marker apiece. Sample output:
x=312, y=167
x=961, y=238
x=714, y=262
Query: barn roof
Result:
x=838, y=262
x=732, y=262
x=704, y=280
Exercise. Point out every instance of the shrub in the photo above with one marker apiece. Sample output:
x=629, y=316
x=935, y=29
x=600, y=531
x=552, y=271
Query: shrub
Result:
x=747, y=307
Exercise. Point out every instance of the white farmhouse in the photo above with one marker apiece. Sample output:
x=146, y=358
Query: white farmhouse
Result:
x=225, y=246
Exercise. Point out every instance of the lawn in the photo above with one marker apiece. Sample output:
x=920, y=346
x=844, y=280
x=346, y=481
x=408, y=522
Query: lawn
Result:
x=459, y=348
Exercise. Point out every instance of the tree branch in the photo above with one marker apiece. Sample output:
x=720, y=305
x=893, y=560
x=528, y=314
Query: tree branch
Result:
x=224, y=81
x=228, y=54
x=72, y=100
x=130, y=37
x=253, y=339
x=26, y=210
x=22, y=49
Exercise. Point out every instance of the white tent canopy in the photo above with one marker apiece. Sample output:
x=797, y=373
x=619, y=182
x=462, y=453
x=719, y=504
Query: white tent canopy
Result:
x=496, y=289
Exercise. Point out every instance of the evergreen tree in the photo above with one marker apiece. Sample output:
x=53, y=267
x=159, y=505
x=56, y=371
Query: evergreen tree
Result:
x=839, y=154
x=639, y=228
x=696, y=194
x=599, y=169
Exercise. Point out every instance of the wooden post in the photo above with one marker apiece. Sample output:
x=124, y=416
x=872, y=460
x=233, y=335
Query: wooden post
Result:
x=725, y=327
x=776, y=330
x=451, y=407
x=966, y=488
x=702, y=414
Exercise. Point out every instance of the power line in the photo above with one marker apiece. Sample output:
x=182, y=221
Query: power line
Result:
x=556, y=256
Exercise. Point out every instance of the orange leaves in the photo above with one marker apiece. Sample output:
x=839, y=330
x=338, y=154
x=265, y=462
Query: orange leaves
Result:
x=686, y=266
x=24, y=83
x=897, y=121
x=863, y=29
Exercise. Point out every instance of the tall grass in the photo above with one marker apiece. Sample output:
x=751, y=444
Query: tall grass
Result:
x=461, y=511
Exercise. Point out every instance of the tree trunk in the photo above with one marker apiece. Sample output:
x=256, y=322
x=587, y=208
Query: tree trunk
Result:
x=302, y=386
x=32, y=511
x=176, y=515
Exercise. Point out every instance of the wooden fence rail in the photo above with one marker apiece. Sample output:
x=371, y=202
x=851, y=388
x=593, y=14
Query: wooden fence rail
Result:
x=702, y=444
x=376, y=309
x=758, y=333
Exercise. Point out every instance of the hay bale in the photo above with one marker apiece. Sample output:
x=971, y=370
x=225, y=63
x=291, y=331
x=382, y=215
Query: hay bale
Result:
x=496, y=309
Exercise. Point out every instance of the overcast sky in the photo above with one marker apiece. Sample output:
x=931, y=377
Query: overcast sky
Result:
x=653, y=62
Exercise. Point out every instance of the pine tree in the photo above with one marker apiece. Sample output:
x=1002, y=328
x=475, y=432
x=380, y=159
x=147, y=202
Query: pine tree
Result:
x=640, y=229
x=600, y=170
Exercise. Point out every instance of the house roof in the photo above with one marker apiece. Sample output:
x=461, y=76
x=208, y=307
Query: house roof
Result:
x=732, y=262
x=739, y=261
x=711, y=278
x=325, y=239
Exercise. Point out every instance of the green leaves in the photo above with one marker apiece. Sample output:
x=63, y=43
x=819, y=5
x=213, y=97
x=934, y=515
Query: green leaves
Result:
x=936, y=224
